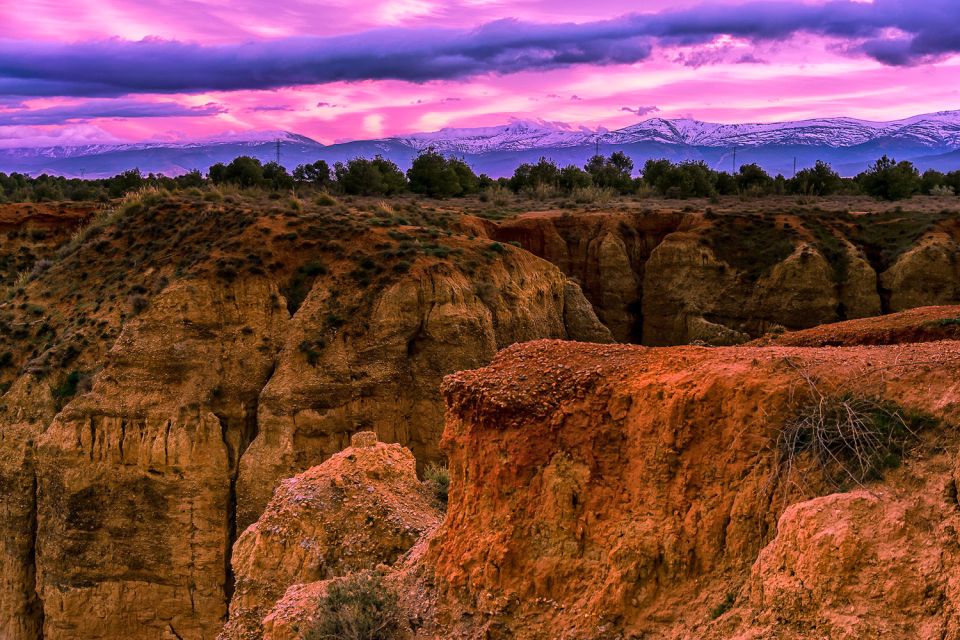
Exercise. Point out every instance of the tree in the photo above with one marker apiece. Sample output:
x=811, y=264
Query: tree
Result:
x=613, y=172
x=820, y=180
x=932, y=179
x=469, y=182
x=125, y=182
x=888, y=179
x=544, y=174
x=690, y=179
x=276, y=176
x=243, y=171
x=726, y=184
x=573, y=177
x=952, y=180
x=189, y=180
x=433, y=175
x=217, y=173
x=753, y=179
x=370, y=177
x=655, y=171
x=317, y=174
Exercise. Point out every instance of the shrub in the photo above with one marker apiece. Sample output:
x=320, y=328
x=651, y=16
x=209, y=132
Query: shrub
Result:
x=326, y=200
x=138, y=304
x=497, y=195
x=438, y=476
x=848, y=438
x=358, y=607
x=725, y=605
x=75, y=382
x=593, y=195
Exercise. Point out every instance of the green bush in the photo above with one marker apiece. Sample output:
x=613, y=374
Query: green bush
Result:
x=359, y=607
x=438, y=476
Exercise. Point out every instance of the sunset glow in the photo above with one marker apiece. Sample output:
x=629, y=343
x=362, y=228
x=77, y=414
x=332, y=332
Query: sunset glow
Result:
x=124, y=70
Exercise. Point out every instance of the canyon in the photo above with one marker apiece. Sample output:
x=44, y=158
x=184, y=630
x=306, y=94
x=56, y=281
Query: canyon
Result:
x=185, y=377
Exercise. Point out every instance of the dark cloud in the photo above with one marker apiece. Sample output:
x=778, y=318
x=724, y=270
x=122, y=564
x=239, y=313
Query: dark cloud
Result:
x=641, y=111
x=94, y=109
x=418, y=55
x=269, y=107
x=925, y=30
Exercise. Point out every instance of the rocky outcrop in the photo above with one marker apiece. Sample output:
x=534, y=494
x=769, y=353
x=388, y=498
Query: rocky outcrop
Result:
x=662, y=278
x=927, y=274
x=135, y=502
x=605, y=252
x=130, y=473
x=636, y=491
x=386, y=377
x=864, y=564
x=26, y=410
x=691, y=295
x=361, y=508
x=925, y=324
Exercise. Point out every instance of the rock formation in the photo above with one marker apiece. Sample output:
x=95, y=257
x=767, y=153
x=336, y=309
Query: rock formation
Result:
x=165, y=368
x=635, y=493
x=164, y=387
x=386, y=378
x=664, y=278
x=361, y=508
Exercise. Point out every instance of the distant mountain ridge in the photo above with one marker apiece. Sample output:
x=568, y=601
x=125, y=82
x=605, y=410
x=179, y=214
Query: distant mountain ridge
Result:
x=930, y=140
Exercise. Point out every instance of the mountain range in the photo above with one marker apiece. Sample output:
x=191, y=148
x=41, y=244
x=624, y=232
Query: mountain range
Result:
x=850, y=145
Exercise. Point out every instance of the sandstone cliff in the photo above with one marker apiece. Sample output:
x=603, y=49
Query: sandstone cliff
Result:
x=386, y=376
x=166, y=367
x=178, y=358
x=636, y=494
x=645, y=493
x=669, y=278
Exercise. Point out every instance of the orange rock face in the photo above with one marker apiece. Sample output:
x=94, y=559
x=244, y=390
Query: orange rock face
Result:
x=635, y=492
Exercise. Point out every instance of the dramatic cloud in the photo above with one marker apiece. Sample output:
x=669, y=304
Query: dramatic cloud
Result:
x=96, y=109
x=164, y=66
x=334, y=69
x=152, y=65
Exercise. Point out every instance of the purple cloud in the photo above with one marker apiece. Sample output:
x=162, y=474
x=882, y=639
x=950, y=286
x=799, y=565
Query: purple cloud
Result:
x=641, y=111
x=95, y=109
x=927, y=29
x=269, y=107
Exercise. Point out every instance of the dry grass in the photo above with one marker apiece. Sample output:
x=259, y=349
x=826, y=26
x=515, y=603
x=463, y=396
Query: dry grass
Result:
x=846, y=438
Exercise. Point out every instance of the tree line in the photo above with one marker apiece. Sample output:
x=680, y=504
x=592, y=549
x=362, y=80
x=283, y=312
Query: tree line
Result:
x=435, y=175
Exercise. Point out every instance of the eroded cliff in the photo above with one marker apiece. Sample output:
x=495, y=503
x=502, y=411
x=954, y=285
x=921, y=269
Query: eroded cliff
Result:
x=638, y=491
x=678, y=493
x=666, y=278
x=168, y=365
x=179, y=356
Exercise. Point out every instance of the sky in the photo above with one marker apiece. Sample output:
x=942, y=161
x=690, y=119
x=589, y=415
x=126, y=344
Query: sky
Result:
x=106, y=71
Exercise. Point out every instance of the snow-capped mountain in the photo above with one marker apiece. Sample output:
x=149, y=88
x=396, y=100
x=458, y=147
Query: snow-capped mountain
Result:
x=930, y=140
x=935, y=129
x=518, y=135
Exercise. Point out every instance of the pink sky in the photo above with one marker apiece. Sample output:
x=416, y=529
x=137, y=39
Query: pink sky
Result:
x=725, y=78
